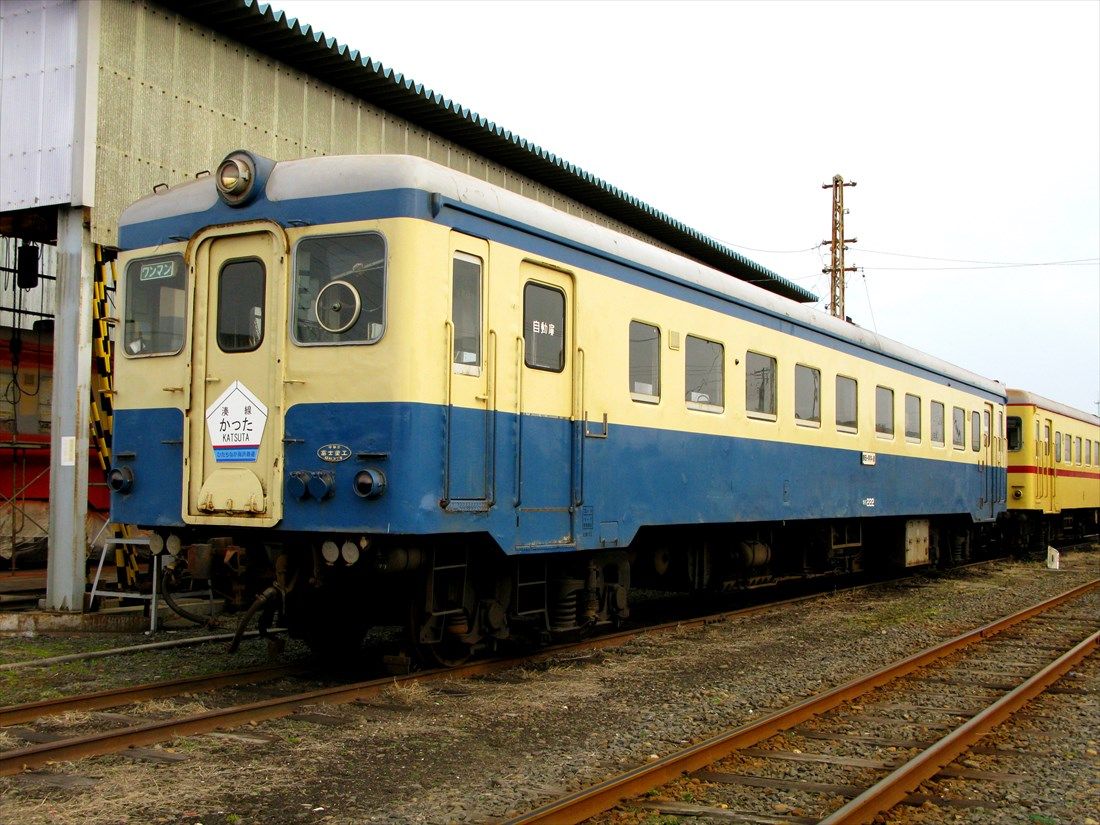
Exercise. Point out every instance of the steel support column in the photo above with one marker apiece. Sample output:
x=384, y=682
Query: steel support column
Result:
x=72, y=369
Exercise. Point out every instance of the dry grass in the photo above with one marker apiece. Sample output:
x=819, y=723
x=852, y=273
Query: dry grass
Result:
x=410, y=693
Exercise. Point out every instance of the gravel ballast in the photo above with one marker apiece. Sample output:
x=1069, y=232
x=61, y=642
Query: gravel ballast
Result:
x=479, y=750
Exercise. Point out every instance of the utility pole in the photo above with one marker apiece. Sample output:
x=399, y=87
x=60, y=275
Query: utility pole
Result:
x=837, y=245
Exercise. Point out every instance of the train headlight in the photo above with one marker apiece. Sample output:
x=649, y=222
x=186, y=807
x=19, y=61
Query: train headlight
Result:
x=235, y=178
x=121, y=479
x=370, y=483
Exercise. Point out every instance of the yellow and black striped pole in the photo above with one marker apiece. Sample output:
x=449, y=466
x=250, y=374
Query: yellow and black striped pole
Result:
x=102, y=417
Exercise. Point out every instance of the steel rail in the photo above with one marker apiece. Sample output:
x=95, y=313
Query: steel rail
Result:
x=96, y=744
x=588, y=802
x=13, y=714
x=894, y=788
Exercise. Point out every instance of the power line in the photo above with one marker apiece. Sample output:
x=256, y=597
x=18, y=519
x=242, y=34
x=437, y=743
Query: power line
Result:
x=1082, y=262
x=969, y=261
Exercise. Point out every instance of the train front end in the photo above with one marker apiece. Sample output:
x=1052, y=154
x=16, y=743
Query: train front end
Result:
x=255, y=423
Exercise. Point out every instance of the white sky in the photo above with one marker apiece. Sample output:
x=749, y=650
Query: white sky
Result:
x=972, y=130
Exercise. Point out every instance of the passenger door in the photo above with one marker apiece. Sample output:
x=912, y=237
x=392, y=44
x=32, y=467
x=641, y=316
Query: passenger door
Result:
x=990, y=492
x=234, y=418
x=471, y=381
x=545, y=448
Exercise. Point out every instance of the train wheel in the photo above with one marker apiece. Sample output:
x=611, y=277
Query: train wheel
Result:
x=439, y=639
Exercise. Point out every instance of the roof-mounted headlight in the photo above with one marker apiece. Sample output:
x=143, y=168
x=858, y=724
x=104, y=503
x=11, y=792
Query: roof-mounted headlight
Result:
x=236, y=178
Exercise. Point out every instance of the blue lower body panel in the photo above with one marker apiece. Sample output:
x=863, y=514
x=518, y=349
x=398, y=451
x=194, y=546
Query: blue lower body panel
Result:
x=560, y=490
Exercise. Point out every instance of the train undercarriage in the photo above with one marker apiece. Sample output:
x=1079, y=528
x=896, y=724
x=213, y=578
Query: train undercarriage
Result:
x=458, y=596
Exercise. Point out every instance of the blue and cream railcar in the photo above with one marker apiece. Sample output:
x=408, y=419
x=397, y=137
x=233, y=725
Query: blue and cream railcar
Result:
x=409, y=386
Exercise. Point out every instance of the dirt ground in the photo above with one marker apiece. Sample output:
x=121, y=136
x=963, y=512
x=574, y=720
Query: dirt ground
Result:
x=479, y=750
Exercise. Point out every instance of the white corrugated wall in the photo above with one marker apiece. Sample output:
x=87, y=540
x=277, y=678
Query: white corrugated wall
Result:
x=38, y=52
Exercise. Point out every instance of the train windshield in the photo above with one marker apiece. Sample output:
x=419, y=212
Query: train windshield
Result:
x=156, y=291
x=339, y=289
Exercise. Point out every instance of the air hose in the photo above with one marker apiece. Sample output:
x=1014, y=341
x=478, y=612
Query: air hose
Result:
x=170, y=600
x=261, y=600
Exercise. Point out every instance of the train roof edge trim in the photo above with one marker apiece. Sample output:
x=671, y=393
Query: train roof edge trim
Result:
x=1031, y=399
x=336, y=175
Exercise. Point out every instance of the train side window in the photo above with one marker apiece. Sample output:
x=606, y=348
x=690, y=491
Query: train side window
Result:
x=704, y=380
x=847, y=419
x=543, y=327
x=241, y=290
x=645, y=362
x=912, y=418
x=156, y=293
x=466, y=313
x=807, y=395
x=985, y=427
x=958, y=428
x=1088, y=452
x=1015, y=434
x=1046, y=439
x=1077, y=450
x=339, y=289
x=936, y=423
x=760, y=386
x=1057, y=446
x=975, y=431
x=884, y=411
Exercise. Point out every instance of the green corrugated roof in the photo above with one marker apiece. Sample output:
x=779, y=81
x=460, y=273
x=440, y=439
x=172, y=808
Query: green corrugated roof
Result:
x=283, y=38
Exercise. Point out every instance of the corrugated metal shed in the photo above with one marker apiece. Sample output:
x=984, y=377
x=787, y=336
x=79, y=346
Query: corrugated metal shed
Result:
x=270, y=32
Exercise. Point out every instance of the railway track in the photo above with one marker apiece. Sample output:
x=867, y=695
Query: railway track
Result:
x=142, y=734
x=1054, y=635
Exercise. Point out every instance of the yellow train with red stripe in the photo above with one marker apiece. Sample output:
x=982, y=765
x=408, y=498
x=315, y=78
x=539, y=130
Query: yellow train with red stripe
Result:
x=1053, y=469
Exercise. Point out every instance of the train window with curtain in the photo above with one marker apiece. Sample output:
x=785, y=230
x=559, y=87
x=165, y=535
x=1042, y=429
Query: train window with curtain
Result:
x=242, y=286
x=704, y=384
x=936, y=424
x=543, y=327
x=958, y=428
x=339, y=289
x=847, y=404
x=645, y=362
x=912, y=418
x=1015, y=434
x=760, y=385
x=807, y=395
x=156, y=299
x=1057, y=446
x=466, y=313
x=884, y=411
x=975, y=431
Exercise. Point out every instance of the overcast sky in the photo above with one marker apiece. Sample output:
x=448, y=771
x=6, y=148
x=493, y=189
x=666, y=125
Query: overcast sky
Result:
x=971, y=129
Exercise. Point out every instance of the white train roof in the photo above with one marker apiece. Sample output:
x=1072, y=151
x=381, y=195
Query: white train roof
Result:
x=1025, y=398
x=348, y=174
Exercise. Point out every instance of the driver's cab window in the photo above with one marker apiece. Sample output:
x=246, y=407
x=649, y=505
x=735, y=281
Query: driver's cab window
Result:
x=156, y=291
x=340, y=289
